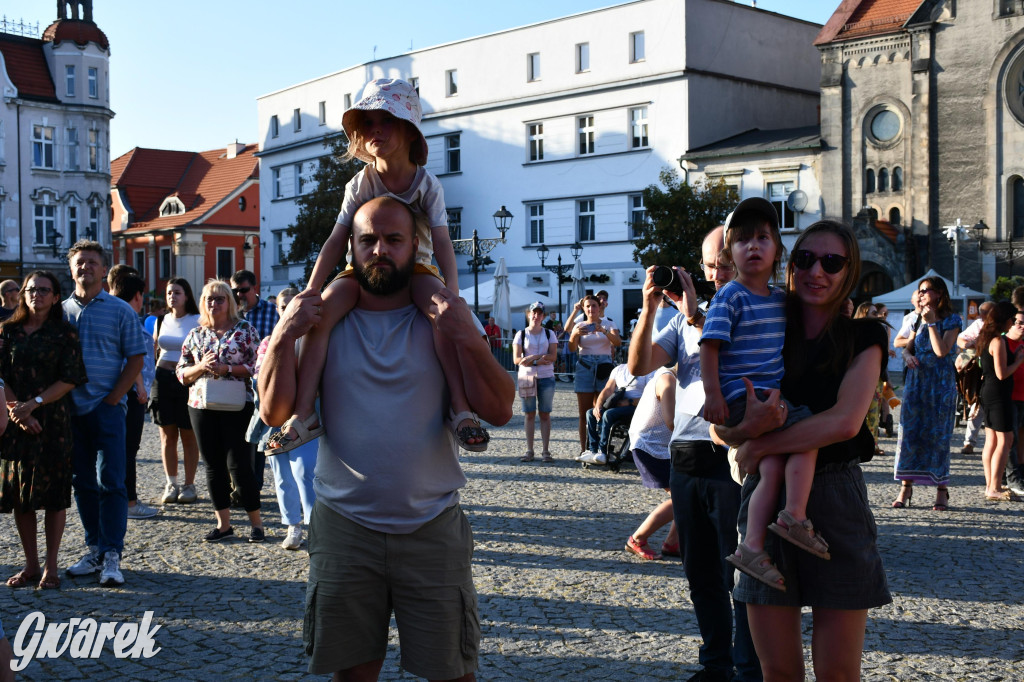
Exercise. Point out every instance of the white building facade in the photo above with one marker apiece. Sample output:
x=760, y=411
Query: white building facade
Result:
x=564, y=122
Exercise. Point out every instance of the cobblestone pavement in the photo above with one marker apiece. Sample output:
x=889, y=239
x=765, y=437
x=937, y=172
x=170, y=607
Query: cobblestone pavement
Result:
x=559, y=598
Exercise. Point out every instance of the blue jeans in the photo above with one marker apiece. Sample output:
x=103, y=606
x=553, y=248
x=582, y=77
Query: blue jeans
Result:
x=706, y=508
x=98, y=476
x=598, y=433
x=293, y=481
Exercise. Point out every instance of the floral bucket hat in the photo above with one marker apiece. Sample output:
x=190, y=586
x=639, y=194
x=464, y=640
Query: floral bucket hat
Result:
x=398, y=98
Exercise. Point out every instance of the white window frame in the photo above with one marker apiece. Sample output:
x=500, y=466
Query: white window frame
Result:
x=415, y=83
x=94, y=150
x=454, y=219
x=94, y=82
x=322, y=113
x=586, y=220
x=278, y=241
x=776, y=192
x=637, y=213
x=585, y=135
x=275, y=126
x=535, y=141
x=69, y=80
x=637, y=47
x=231, y=269
x=535, y=223
x=453, y=153
x=44, y=219
x=533, y=66
x=297, y=120
x=71, y=135
x=582, y=57
x=639, y=129
x=348, y=101
x=72, y=214
x=43, y=153
x=275, y=183
x=164, y=263
x=304, y=171
x=94, y=222
x=139, y=261
x=451, y=82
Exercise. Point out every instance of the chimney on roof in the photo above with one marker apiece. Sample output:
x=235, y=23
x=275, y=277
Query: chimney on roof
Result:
x=235, y=148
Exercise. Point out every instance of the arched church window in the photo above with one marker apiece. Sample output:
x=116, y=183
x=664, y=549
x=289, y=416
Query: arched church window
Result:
x=1013, y=87
x=894, y=216
x=1017, y=192
x=883, y=180
x=869, y=181
x=897, y=179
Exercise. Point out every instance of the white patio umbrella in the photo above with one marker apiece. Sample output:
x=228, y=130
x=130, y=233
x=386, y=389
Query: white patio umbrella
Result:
x=501, y=311
x=578, y=291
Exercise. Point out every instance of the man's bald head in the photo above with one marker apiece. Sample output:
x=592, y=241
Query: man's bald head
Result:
x=385, y=210
x=710, y=252
x=985, y=308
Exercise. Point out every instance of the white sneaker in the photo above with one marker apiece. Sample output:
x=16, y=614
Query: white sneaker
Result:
x=293, y=540
x=142, y=511
x=187, y=494
x=599, y=458
x=585, y=456
x=170, y=494
x=88, y=564
x=111, y=576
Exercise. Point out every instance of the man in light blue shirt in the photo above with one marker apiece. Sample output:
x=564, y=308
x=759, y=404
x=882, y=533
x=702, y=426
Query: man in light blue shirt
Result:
x=113, y=348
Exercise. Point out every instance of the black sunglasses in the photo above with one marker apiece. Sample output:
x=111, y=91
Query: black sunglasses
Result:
x=830, y=262
x=241, y=290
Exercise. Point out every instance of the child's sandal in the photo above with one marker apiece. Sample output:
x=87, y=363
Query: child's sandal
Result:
x=281, y=442
x=801, y=534
x=466, y=432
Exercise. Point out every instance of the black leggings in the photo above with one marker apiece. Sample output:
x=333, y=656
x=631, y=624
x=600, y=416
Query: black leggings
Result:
x=222, y=444
x=132, y=440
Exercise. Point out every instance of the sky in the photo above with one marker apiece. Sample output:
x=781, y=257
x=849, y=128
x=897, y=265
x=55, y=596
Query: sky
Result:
x=186, y=74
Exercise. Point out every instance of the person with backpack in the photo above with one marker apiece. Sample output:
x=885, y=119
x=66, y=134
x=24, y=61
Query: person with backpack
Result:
x=534, y=350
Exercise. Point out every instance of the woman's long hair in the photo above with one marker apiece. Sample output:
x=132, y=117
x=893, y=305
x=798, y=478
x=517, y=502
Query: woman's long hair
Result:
x=212, y=288
x=995, y=324
x=22, y=312
x=945, y=308
x=191, y=307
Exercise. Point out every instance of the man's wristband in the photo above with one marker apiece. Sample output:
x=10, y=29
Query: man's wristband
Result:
x=699, y=315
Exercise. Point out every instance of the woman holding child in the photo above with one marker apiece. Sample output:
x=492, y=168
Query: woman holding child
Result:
x=832, y=365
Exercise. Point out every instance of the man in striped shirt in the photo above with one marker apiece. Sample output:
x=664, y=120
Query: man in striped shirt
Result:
x=113, y=348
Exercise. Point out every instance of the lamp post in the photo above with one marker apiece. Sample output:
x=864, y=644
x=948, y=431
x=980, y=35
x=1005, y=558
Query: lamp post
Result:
x=954, y=233
x=55, y=239
x=559, y=270
x=477, y=249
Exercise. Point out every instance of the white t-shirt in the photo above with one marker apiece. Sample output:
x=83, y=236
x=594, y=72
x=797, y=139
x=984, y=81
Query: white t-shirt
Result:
x=535, y=344
x=648, y=430
x=173, y=331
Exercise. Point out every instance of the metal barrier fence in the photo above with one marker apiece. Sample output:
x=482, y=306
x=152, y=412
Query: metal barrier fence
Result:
x=565, y=365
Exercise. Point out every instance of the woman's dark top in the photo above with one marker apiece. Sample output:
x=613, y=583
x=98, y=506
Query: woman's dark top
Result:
x=993, y=389
x=813, y=380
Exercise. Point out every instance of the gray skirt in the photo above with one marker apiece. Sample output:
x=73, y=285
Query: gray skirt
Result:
x=853, y=579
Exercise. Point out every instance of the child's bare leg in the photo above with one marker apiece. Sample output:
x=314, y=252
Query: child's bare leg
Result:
x=764, y=500
x=799, y=476
x=423, y=287
x=338, y=300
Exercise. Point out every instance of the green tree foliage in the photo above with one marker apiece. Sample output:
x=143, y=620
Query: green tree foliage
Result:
x=318, y=209
x=1004, y=286
x=678, y=218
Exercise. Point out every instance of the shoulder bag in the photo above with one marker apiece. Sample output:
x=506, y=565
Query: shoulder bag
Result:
x=220, y=395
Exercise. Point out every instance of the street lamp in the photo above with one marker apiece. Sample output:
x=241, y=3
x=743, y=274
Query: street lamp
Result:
x=560, y=270
x=954, y=233
x=477, y=249
x=55, y=239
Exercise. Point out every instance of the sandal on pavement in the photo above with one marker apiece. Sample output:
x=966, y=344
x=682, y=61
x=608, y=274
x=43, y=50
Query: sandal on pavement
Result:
x=901, y=501
x=944, y=505
x=758, y=565
x=1003, y=496
x=21, y=578
x=642, y=550
x=546, y=457
x=528, y=457
x=801, y=534
x=462, y=435
x=49, y=582
x=671, y=550
x=281, y=442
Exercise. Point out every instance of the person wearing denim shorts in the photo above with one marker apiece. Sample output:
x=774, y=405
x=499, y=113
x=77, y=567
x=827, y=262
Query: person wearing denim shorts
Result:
x=594, y=339
x=534, y=350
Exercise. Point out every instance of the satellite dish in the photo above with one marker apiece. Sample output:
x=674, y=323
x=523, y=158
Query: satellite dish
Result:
x=797, y=201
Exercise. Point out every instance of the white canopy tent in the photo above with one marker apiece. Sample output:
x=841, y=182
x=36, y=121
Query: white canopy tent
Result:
x=519, y=297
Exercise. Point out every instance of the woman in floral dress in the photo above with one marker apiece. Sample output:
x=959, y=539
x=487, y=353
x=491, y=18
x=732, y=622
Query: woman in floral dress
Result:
x=41, y=361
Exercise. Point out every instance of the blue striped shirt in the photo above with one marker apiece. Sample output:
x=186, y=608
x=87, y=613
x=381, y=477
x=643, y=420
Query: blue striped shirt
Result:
x=110, y=333
x=752, y=330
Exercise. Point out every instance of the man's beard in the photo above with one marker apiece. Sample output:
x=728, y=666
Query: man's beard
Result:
x=383, y=281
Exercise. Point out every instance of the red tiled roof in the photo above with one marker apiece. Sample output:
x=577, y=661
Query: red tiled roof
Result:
x=200, y=180
x=26, y=67
x=77, y=31
x=861, y=18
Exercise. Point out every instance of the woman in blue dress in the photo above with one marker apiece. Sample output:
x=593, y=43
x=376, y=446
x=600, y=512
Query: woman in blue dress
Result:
x=929, y=398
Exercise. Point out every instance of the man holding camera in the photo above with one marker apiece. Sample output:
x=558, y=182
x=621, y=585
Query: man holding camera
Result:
x=704, y=498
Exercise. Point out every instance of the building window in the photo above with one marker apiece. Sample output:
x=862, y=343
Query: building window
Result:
x=637, y=214
x=304, y=173
x=278, y=237
x=536, y=223
x=533, y=66
x=225, y=263
x=297, y=120
x=275, y=126
x=415, y=83
x=897, y=179
x=94, y=150
x=451, y=79
x=453, y=154
x=585, y=220
x=42, y=146
x=582, y=57
x=885, y=126
x=94, y=82
x=72, y=224
x=536, y=135
x=778, y=192
x=72, y=136
x=94, y=223
x=1008, y=8
x=585, y=129
x=1018, y=207
x=45, y=224
x=322, y=117
x=894, y=216
x=636, y=47
x=69, y=78
x=869, y=181
x=275, y=175
x=455, y=223
x=883, y=180
x=638, y=127
x=165, y=262
x=139, y=261
x=348, y=101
